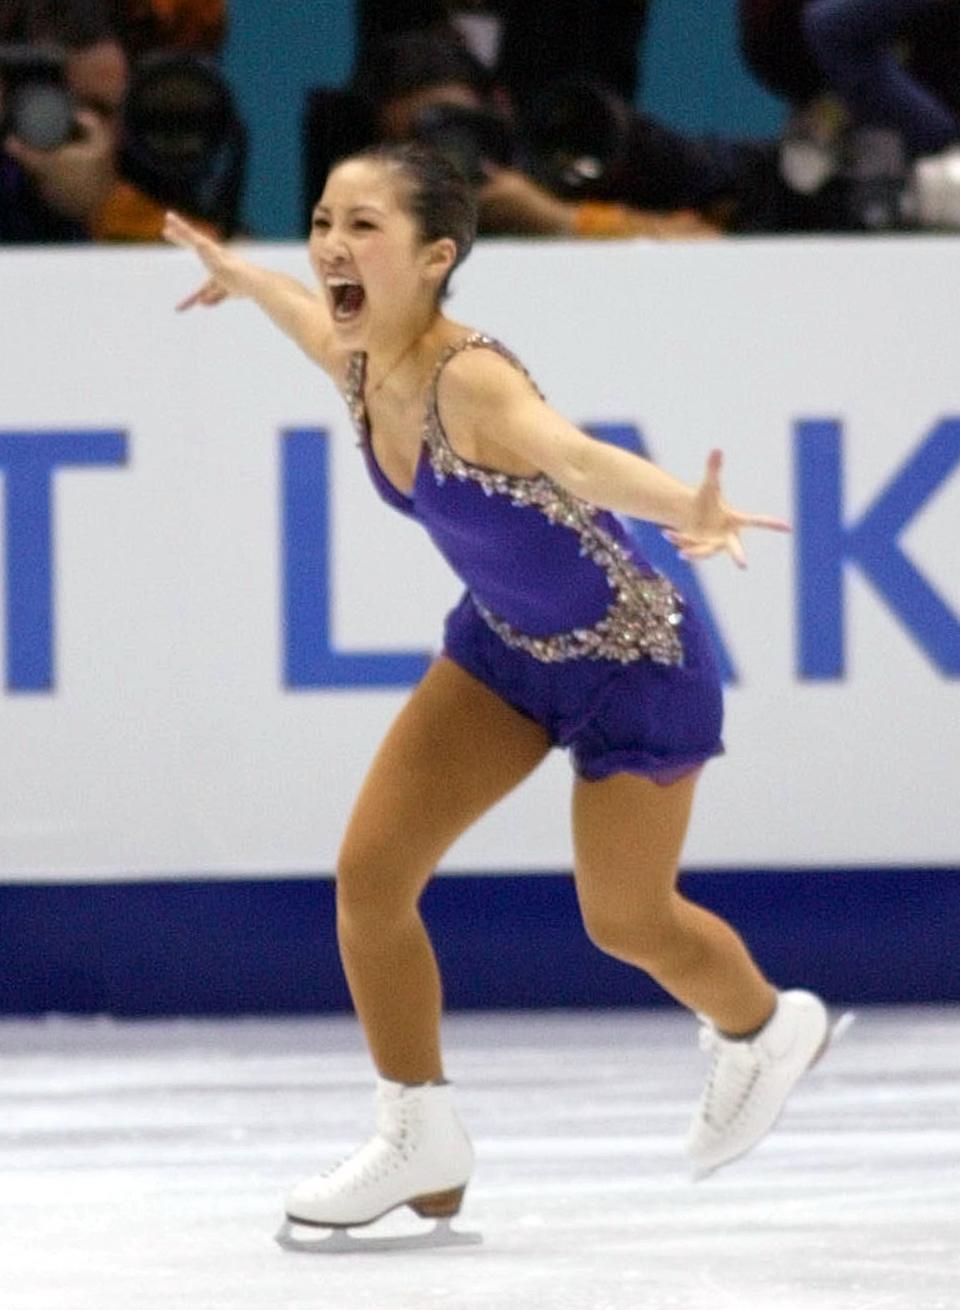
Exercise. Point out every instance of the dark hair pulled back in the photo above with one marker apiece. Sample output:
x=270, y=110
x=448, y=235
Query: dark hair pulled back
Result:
x=439, y=197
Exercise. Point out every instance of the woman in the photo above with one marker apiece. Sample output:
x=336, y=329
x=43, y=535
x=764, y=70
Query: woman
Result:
x=564, y=637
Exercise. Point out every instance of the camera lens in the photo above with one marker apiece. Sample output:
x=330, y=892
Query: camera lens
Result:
x=470, y=138
x=41, y=115
x=575, y=131
x=178, y=114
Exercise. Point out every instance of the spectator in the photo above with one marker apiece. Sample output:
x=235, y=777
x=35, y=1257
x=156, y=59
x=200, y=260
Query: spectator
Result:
x=66, y=193
x=872, y=84
x=790, y=45
x=77, y=191
x=853, y=42
x=569, y=38
x=530, y=44
x=198, y=25
x=407, y=78
x=775, y=49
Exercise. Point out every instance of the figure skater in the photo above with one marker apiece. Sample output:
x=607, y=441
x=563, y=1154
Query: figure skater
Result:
x=565, y=636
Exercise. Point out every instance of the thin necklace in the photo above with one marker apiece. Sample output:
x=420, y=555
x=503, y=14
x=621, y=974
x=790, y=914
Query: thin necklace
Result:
x=372, y=391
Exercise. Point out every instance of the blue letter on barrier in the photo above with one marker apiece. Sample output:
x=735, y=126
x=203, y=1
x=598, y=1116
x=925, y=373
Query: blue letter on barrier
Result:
x=309, y=659
x=28, y=460
x=659, y=552
x=825, y=544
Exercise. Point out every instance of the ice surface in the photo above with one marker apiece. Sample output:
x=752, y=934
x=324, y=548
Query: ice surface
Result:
x=143, y=1165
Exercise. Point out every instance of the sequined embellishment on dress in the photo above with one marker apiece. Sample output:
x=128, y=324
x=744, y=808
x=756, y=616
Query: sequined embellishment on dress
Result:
x=643, y=618
x=353, y=394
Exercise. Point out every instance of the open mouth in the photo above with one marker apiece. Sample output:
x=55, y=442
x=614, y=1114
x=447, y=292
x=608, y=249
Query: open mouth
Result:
x=347, y=296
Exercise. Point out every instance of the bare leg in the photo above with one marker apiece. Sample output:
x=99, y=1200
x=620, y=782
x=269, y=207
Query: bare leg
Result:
x=455, y=750
x=628, y=834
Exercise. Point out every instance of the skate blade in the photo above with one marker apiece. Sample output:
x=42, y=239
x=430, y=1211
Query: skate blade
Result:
x=835, y=1030
x=340, y=1241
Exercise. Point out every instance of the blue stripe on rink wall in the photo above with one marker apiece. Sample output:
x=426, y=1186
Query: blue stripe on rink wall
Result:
x=267, y=946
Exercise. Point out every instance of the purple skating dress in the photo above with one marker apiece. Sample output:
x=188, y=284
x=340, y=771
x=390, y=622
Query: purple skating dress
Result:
x=562, y=617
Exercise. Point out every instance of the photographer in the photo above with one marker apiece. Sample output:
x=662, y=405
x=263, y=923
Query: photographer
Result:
x=197, y=25
x=426, y=85
x=95, y=174
x=530, y=43
x=890, y=60
x=60, y=194
x=854, y=42
x=873, y=87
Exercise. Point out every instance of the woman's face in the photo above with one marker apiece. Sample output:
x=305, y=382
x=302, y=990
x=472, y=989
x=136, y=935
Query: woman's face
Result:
x=367, y=252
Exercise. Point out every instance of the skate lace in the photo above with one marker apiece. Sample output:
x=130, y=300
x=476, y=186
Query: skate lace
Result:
x=734, y=1072
x=383, y=1154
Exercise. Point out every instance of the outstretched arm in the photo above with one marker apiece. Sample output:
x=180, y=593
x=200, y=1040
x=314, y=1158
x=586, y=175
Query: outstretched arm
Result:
x=299, y=312
x=485, y=400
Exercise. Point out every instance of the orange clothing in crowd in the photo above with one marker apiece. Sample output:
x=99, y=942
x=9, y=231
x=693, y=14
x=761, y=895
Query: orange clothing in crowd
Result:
x=598, y=218
x=200, y=25
x=130, y=215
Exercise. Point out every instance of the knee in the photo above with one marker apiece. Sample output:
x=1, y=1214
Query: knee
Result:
x=371, y=891
x=644, y=938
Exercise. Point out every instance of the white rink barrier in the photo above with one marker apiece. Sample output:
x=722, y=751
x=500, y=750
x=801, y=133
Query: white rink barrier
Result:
x=209, y=619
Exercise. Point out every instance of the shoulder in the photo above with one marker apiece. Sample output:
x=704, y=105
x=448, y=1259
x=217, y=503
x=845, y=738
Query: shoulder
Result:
x=484, y=375
x=489, y=407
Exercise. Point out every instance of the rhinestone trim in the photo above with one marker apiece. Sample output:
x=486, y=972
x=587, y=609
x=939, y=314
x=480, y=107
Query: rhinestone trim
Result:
x=642, y=620
x=353, y=394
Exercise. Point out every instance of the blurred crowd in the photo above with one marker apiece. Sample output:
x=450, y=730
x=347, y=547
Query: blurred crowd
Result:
x=112, y=111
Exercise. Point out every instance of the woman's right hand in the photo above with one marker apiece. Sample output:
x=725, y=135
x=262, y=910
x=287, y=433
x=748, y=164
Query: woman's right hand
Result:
x=302, y=314
x=229, y=274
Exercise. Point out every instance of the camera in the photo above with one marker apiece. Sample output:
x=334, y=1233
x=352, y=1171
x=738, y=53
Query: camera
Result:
x=585, y=142
x=36, y=104
x=576, y=133
x=181, y=139
x=471, y=138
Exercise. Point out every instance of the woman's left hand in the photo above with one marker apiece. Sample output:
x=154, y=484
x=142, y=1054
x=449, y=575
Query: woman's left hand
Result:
x=712, y=526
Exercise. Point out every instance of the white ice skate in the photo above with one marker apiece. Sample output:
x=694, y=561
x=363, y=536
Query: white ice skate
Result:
x=750, y=1080
x=420, y=1156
